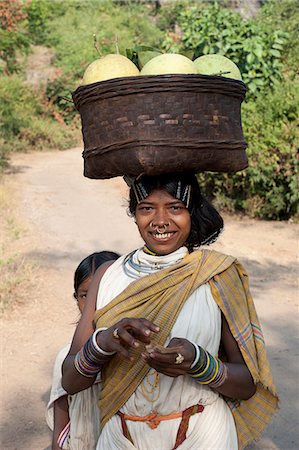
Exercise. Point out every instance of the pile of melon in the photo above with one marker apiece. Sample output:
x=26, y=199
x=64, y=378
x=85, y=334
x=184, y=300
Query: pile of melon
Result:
x=116, y=66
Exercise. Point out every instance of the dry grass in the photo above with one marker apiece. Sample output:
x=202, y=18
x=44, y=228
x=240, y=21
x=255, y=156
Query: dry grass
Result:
x=17, y=273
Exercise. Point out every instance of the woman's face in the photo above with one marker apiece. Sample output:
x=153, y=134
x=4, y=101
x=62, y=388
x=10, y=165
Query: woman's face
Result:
x=163, y=221
x=82, y=292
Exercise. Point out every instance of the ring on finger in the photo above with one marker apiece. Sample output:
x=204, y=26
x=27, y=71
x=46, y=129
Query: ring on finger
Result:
x=179, y=359
x=115, y=333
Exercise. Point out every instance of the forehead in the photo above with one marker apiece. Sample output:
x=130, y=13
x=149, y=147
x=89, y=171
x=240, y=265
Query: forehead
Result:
x=159, y=196
x=84, y=286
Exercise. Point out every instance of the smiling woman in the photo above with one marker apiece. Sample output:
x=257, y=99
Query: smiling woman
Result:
x=174, y=332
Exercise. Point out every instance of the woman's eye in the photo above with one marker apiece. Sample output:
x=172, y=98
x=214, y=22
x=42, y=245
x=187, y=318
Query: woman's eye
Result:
x=82, y=296
x=176, y=208
x=145, y=208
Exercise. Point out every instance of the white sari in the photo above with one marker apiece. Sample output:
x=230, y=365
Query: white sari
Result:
x=83, y=430
x=200, y=322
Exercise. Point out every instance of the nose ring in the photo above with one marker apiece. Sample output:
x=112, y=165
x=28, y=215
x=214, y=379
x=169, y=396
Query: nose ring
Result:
x=160, y=229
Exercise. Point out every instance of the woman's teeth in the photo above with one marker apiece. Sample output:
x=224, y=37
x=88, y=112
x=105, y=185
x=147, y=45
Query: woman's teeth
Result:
x=162, y=235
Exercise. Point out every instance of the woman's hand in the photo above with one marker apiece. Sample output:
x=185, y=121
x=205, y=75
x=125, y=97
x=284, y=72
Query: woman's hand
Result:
x=125, y=334
x=166, y=362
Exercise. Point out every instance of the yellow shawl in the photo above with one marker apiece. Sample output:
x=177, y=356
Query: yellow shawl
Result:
x=160, y=297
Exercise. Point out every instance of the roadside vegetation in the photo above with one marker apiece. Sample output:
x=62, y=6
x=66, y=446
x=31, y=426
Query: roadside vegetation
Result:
x=17, y=273
x=264, y=47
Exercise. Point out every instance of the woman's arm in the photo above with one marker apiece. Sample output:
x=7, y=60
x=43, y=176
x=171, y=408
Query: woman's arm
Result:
x=72, y=380
x=61, y=419
x=238, y=383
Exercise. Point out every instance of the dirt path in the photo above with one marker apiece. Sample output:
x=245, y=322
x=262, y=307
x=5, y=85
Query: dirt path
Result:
x=66, y=217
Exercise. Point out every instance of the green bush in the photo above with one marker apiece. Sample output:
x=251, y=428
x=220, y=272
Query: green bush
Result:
x=13, y=34
x=18, y=106
x=268, y=188
x=26, y=122
x=39, y=15
x=256, y=48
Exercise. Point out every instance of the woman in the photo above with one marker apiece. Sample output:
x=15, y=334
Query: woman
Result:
x=75, y=419
x=197, y=305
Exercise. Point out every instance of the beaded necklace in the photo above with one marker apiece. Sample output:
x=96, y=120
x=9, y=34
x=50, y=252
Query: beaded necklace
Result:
x=140, y=263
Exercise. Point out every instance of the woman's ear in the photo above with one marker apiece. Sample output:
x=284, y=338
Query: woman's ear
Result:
x=75, y=296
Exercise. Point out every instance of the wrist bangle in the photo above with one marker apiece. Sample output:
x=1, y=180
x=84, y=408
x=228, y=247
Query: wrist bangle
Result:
x=197, y=355
x=208, y=370
x=96, y=346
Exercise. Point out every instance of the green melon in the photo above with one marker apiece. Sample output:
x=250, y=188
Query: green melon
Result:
x=214, y=64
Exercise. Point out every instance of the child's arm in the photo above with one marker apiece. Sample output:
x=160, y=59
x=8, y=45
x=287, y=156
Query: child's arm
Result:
x=61, y=422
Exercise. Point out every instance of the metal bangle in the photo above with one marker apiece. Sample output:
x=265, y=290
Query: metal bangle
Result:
x=96, y=346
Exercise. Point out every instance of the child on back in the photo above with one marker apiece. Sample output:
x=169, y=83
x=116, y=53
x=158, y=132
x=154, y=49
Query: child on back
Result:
x=74, y=419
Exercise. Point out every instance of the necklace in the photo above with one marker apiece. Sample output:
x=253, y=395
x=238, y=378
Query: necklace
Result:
x=140, y=263
x=148, y=251
x=133, y=268
x=150, y=386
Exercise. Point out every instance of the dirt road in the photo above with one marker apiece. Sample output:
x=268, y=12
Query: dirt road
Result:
x=66, y=217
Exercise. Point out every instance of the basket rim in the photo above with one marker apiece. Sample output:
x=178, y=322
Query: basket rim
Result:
x=158, y=83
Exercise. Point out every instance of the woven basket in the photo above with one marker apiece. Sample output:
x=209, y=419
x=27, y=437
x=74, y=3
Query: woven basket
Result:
x=166, y=123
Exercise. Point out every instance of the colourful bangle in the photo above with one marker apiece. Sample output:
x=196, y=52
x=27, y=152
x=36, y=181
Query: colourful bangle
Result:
x=89, y=360
x=208, y=369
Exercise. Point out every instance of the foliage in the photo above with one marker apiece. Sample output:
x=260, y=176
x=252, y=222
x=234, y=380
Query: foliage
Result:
x=59, y=93
x=256, y=48
x=26, y=122
x=268, y=188
x=13, y=34
x=39, y=14
x=284, y=16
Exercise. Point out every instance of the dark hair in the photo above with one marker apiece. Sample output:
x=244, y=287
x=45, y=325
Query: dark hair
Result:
x=206, y=222
x=90, y=264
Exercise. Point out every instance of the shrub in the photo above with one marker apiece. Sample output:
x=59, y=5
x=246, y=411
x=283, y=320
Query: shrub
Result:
x=257, y=49
x=18, y=105
x=268, y=188
x=39, y=14
x=27, y=123
x=13, y=34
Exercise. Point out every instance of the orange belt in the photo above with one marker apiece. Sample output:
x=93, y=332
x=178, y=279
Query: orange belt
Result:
x=153, y=421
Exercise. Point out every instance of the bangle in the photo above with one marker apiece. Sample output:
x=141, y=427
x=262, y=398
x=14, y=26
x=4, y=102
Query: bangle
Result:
x=85, y=367
x=89, y=360
x=96, y=346
x=208, y=369
x=197, y=355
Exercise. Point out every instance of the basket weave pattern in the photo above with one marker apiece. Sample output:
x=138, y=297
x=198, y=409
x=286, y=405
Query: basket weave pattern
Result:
x=157, y=124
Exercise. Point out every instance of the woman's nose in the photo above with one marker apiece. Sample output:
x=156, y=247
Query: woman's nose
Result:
x=161, y=218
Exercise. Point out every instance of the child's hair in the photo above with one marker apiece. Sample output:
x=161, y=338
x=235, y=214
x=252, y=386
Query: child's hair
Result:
x=90, y=264
x=206, y=222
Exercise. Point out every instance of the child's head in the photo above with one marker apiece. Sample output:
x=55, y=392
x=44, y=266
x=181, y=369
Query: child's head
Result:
x=85, y=271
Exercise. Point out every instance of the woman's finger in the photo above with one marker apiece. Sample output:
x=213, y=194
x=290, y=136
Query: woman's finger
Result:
x=141, y=329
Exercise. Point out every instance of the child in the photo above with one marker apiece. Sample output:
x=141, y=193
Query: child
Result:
x=74, y=419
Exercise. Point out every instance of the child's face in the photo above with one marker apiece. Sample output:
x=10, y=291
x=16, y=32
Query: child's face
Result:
x=82, y=292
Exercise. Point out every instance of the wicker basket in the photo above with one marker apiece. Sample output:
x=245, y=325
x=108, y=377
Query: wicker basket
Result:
x=156, y=124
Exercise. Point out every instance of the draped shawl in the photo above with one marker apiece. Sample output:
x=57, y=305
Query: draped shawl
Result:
x=159, y=297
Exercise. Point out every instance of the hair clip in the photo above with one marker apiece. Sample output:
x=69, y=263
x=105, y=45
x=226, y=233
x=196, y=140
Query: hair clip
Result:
x=188, y=196
x=179, y=189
